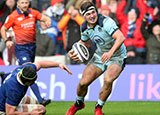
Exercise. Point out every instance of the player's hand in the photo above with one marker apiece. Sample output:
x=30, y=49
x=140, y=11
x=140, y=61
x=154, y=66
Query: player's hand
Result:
x=106, y=57
x=64, y=67
x=9, y=44
x=73, y=55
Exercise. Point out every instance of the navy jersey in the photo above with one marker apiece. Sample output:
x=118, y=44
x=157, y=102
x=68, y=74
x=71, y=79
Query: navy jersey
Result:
x=11, y=91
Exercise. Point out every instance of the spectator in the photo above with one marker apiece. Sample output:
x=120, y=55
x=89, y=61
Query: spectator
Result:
x=40, y=5
x=152, y=10
x=6, y=7
x=152, y=37
x=56, y=12
x=70, y=27
x=12, y=92
x=44, y=43
x=130, y=27
x=22, y=20
x=106, y=11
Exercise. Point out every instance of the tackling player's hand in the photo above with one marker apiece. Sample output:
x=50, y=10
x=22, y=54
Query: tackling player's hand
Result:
x=73, y=55
x=64, y=67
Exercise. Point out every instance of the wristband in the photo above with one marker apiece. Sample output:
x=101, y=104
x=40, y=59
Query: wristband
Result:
x=6, y=41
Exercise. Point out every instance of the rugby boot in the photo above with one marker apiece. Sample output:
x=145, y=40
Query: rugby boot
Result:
x=45, y=102
x=74, y=109
x=98, y=111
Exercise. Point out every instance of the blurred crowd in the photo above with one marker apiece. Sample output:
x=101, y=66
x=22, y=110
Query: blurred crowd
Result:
x=139, y=21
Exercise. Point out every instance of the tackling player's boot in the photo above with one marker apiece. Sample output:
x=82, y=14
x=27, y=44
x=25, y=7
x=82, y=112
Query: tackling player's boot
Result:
x=45, y=102
x=98, y=110
x=74, y=108
x=2, y=76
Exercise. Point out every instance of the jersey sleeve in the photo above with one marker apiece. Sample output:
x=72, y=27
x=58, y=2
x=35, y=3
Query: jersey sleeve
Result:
x=38, y=14
x=84, y=37
x=9, y=21
x=110, y=26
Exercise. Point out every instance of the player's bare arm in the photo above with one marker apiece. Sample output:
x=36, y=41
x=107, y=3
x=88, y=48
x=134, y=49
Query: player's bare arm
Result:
x=118, y=42
x=49, y=64
x=9, y=44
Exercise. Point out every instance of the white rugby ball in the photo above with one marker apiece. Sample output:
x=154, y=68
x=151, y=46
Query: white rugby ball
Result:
x=82, y=51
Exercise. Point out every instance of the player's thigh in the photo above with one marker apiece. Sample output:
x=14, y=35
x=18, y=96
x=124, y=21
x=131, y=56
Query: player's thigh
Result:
x=113, y=71
x=30, y=107
x=90, y=73
x=28, y=100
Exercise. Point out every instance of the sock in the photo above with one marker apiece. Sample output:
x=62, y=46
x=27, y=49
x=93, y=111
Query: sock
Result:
x=35, y=90
x=99, y=103
x=79, y=101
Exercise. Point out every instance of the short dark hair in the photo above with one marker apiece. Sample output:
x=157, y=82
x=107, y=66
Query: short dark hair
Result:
x=154, y=23
x=84, y=7
x=28, y=74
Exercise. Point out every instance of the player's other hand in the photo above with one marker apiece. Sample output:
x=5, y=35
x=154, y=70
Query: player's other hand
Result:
x=9, y=44
x=64, y=67
x=73, y=55
x=106, y=57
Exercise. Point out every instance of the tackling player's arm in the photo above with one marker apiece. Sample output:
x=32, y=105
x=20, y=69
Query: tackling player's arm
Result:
x=46, y=19
x=50, y=64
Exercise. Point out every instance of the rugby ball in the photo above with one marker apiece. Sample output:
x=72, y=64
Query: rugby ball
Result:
x=82, y=51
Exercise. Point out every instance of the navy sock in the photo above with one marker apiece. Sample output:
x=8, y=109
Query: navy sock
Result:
x=78, y=103
x=35, y=90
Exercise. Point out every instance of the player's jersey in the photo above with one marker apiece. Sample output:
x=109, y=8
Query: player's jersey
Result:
x=101, y=34
x=11, y=91
x=23, y=26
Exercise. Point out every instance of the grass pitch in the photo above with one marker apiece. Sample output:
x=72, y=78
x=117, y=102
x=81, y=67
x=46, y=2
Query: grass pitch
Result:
x=110, y=108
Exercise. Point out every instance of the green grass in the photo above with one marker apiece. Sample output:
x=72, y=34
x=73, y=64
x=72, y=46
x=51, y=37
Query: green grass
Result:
x=110, y=108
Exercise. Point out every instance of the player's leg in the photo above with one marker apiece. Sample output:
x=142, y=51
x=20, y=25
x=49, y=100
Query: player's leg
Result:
x=29, y=104
x=113, y=71
x=33, y=108
x=90, y=73
x=36, y=91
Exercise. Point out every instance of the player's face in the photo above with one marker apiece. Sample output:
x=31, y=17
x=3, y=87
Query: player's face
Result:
x=23, y=5
x=91, y=17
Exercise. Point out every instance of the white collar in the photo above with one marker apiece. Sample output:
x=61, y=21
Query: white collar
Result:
x=18, y=79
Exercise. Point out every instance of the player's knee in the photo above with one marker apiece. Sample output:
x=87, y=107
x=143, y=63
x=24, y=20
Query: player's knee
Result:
x=108, y=80
x=83, y=85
